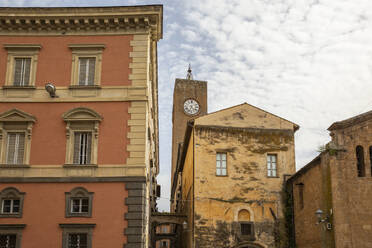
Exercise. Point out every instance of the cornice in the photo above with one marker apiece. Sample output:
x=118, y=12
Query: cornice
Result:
x=83, y=20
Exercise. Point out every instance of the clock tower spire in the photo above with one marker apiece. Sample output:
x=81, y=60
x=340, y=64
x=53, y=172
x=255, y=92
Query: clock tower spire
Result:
x=189, y=101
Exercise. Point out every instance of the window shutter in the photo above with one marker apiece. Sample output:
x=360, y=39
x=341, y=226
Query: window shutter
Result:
x=82, y=71
x=27, y=71
x=92, y=66
x=17, y=72
x=20, y=148
x=77, y=147
x=88, y=148
x=11, y=148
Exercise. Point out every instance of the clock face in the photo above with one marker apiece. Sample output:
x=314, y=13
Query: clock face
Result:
x=191, y=107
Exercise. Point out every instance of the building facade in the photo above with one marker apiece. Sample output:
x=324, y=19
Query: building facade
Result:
x=78, y=125
x=337, y=184
x=231, y=169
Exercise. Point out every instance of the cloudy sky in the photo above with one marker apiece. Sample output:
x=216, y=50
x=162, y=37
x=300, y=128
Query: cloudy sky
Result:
x=309, y=61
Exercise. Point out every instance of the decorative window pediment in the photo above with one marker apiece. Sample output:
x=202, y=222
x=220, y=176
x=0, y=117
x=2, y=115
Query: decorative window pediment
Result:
x=82, y=126
x=15, y=137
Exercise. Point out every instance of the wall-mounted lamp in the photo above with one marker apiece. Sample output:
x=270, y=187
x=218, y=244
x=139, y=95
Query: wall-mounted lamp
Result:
x=323, y=220
x=184, y=225
x=51, y=89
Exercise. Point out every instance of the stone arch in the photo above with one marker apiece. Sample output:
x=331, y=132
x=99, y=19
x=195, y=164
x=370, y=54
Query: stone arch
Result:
x=246, y=208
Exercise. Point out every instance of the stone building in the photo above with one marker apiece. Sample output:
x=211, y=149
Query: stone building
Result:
x=337, y=184
x=231, y=168
x=78, y=125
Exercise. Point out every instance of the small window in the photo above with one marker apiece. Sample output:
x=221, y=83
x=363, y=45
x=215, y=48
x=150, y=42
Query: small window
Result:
x=79, y=203
x=82, y=147
x=86, y=64
x=15, y=148
x=77, y=235
x=360, y=161
x=11, y=203
x=21, y=64
x=77, y=240
x=370, y=157
x=221, y=164
x=272, y=165
x=164, y=244
x=10, y=206
x=86, y=71
x=22, y=70
x=8, y=240
x=247, y=230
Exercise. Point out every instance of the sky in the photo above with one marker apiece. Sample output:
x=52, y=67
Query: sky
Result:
x=308, y=61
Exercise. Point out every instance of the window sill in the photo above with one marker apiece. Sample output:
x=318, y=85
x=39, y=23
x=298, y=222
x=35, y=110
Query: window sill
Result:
x=222, y=175
x=74, y=215
x=6, y=215
x=273, y=177
x=77, y=87
x=79, y=166
x=19, y=87
x=8, y=166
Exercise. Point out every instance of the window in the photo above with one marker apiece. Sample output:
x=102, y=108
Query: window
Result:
x=82, y=147
x=221, y=164
x=8, y=240
x=86, y=64
x=301, y=195
x=360, y=161
x=10, y=206
x=77, y=240
x=15, y=141
x=271, y=165
x=11, y=202
x=79, y=203
x=21, y=65
x=15, y=148
x=77, y=235
x=82, y=136
x=11, y=235
x=164, y=244
x=246, y=229
x=370, y=157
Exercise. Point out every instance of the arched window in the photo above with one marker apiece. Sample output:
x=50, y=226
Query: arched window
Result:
x=11, y=203
x=370, y=157
x=79, y=203
x=360, y=161
x=246, y=225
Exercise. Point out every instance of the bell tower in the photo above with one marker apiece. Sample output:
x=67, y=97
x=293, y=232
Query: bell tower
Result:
x=189, y=101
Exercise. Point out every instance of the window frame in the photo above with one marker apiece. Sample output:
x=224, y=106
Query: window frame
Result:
x=86, y=51
x=13, y=229
x=268, y=170
x=219, y=167
x=81, y=120
x=11, y=193
x=14, y=121
x=68, y=229
x=16, y=51
x=247, y=236
x=78, y=193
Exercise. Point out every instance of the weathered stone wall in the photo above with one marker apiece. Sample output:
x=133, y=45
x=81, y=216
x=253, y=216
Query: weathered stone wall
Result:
x=352, y=199
x=218, y=199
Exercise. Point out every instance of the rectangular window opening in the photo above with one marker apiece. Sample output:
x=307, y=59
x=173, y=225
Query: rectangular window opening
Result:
x=8, y=240
x=80, y=205
x=77, y=240
x=10, y=206
x=15, y=148
x=221, y=169
x=87, y=70
x=246, y=229
x=82, y=147
x=22, y=70
x=271, y=165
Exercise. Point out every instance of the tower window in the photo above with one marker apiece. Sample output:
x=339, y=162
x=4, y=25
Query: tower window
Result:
x=221, y=164
x=360, y=161
x=271, y=165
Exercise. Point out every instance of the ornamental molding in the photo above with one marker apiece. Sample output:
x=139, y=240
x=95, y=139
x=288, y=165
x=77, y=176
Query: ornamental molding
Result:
x=84, y=20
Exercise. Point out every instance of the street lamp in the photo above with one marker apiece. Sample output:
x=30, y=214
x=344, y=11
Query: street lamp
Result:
x=184, y=225
x=319, y=214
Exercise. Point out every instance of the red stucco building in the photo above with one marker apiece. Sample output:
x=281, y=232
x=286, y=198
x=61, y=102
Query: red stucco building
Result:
x=78, y=126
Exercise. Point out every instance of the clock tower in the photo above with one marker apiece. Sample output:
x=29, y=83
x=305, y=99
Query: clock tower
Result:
x=189, y=101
